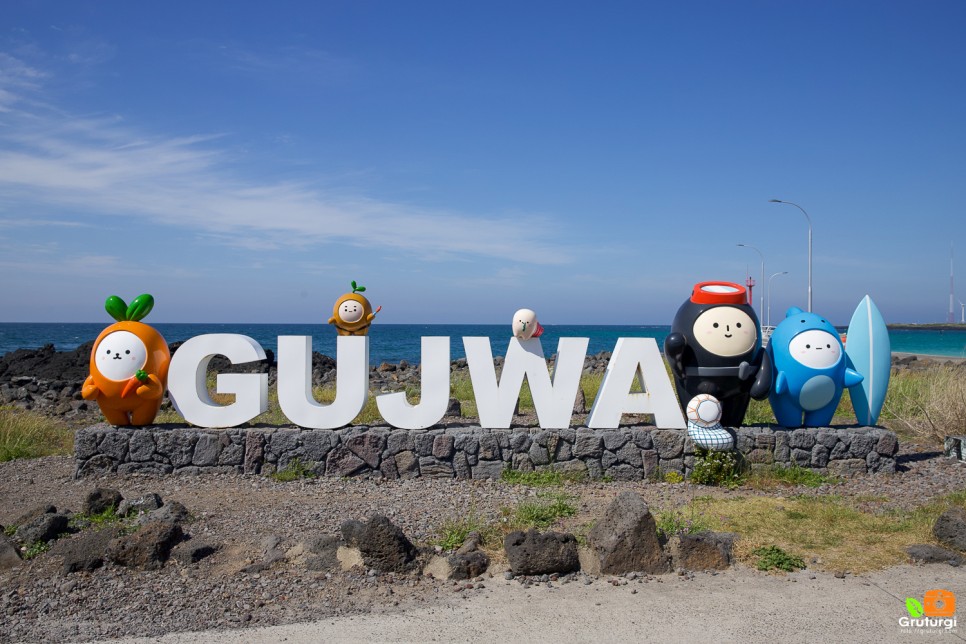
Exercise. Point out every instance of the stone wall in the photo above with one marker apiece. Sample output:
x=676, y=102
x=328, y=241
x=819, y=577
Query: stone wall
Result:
x=461, y=451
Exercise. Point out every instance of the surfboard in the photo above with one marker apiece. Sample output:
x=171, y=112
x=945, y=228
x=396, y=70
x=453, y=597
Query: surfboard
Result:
x=869, y=352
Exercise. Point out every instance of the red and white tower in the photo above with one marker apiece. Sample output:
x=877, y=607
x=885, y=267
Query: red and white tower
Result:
x=750, y=283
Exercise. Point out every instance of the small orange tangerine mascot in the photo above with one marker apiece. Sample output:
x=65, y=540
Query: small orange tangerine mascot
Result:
x=352, y=313
x=129, y=365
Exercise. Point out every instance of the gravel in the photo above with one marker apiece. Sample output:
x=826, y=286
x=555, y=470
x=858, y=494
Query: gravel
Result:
x=247, y=515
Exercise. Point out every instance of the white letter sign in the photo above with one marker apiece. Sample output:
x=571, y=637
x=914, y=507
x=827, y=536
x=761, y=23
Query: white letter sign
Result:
x=295, y=395
x=636, y=357
x=553, y=401
x=434, y=390
x=188, y=386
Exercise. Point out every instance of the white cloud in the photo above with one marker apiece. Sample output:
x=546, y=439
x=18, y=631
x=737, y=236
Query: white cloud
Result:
x=102, y=166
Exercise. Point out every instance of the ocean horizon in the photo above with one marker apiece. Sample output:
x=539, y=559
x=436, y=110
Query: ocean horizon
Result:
x=395, y=342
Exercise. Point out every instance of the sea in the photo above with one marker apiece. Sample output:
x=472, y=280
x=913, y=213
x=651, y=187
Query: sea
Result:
x=395, y=342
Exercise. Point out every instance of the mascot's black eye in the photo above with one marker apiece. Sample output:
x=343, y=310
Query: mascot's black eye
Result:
x=108, y=352
x=716, y=325
x=738, y=324
x=128, y=352
x=808, y=346
x=828, y=346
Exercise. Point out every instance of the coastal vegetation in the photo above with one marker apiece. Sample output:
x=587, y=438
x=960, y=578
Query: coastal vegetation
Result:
x=927, y=406
x=837, y=532
x=29, y=434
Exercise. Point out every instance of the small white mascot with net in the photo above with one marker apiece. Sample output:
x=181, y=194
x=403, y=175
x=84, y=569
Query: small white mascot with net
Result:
x=704, y=424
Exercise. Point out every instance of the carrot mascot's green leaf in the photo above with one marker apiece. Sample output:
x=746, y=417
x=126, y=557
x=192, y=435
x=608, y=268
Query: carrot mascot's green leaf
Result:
x=116, y=308
x=129, y=365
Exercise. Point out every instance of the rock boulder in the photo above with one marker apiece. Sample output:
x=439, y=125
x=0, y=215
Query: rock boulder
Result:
x=535, y=553
x=625, y=539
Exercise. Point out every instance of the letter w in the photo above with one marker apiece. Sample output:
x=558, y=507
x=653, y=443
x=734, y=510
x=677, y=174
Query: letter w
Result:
x=553, y=399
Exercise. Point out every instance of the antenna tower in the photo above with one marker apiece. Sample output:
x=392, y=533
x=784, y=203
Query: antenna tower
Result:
x=951, y=318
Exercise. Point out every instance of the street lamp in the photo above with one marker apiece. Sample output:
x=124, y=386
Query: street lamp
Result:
x=809, y=220
x=769, y=293
x=761, y=306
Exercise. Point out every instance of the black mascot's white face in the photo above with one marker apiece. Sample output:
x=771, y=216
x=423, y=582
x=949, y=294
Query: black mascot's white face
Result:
x=725, y=331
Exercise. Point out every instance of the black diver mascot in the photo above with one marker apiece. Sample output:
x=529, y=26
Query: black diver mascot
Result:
x=715, y=348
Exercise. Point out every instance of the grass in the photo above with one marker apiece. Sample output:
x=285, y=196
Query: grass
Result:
x=541, y=513
x=453, y=532
x=779, y=475
x=542, y=478
x=109, y=517
x=679, y=521
x=832, y=528
x=544, y=511
x=29, y=434
x=927, y=405
x=106, y=517
x=294, y=471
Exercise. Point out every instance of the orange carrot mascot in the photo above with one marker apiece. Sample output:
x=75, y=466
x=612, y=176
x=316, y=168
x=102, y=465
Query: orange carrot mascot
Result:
x=129, y=365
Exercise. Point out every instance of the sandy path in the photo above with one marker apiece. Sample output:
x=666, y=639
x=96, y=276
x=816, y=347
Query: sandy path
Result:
x=741, y=605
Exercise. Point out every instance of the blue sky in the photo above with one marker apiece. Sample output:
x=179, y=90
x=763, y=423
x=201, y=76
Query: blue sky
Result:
x=244, y=162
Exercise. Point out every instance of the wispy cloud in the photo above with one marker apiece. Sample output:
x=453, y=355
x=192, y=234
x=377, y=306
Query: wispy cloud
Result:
x=308, y=64
x=40, y=223
x=103, y=166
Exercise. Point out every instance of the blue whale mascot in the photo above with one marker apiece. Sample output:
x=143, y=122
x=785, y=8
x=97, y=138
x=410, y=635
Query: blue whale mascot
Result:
x=804, y=371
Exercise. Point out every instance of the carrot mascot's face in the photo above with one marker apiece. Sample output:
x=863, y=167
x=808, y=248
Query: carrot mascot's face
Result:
x=129, y=365
x=352, y=313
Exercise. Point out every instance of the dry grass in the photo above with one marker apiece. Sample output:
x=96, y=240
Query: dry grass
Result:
x=927, y=405
x=831, y=528
x=28, y=434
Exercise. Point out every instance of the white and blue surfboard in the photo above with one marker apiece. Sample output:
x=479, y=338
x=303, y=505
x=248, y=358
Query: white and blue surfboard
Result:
x=869, y=352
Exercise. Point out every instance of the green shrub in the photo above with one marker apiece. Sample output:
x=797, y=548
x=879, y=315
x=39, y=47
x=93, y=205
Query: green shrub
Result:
x=673, y=477
x=773, y=557
x=723, y=469
x=34, y=549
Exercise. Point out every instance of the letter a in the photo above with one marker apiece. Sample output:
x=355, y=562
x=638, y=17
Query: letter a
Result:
x=636, y=357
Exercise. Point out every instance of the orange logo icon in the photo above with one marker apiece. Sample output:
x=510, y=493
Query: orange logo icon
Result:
x=939, y=603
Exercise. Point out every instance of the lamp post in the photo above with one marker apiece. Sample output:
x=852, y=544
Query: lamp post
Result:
x=809, y=220
x=769, y=293
x=761, y=305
